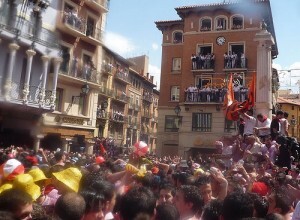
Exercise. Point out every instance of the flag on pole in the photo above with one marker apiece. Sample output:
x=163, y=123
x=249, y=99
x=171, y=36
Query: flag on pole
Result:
x=229, y=97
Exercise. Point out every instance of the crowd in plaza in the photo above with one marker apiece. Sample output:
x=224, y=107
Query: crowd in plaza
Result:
x=252, y=175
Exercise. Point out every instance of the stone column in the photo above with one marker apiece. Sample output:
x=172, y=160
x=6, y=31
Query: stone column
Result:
x=37, y=141
x=13, y=47
x=89, y=147
x=42, y=94
x=30, y=53
x=263, y=103
x=57, y=61
x=66, y=147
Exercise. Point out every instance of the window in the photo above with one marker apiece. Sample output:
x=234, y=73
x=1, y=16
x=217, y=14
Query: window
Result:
x=81, y=105
x=175, y=93
x=237, y=22
x=65, y=54
x=177, y=37
x=176, y=64
x=221, y=23
x=202, y=81
x=58, y=100
x=90, y=26
x=236, y=56
x=172, y=123
x=205, y=49
x=205, y=24
x=202, y=122
x=230, y=126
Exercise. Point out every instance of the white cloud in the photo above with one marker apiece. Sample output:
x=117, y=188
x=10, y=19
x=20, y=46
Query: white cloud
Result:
x=119, y=43
x=154, y=46
x=289, y=77
x=155, y=71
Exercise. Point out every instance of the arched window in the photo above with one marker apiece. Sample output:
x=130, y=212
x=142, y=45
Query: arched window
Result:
x=237, y=22
x=205, y=24
x=221, y=23
x=177, y=37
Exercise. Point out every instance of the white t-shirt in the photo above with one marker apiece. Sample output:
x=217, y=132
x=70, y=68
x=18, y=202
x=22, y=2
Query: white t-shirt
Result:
x=266, y=123
x=283, y=126
x=249, y=125
x=296, y=214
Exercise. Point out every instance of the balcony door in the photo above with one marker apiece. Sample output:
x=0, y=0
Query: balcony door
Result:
x=90, y=26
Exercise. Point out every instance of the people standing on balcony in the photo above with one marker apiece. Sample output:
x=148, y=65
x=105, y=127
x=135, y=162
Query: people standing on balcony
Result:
x=74, y=67
x=212, y=61
x=194, y=61
x=233, y=60
x=207, y=61
x=236, y=90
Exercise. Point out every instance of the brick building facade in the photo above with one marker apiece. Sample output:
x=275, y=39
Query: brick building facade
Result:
x=199, y=52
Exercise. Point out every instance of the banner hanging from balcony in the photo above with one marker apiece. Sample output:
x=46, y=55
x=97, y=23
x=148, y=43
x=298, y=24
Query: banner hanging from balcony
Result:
x=232, y=107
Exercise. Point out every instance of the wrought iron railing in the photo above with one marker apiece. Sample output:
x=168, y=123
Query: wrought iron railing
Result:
x=122, y=76
x=27, y=29
x=148, y=97
x=118, y=95
x=34, y=94
x=105, y=91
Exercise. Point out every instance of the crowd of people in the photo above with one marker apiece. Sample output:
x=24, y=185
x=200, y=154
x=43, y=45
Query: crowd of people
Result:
x=253, y=175
x=203, y=61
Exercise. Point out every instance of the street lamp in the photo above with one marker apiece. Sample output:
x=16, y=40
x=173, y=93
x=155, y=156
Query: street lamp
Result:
x=84, y=91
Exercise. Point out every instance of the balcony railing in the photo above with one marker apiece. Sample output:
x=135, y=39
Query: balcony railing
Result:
x=122, y=76
x=93, y=32
x=106, y=68
x=34, y=96
x=118, y=117
x=102, y=114
x=85, y=71
x=105, y=91
x=203, y=62
x=121, y=96
x=27, y=29
x=235, y=63
x=201, y=96
x=74, y=21
x=148, y=97
x=134, y=107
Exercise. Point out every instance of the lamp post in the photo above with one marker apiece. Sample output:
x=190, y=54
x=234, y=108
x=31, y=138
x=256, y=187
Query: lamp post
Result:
x=84, y=91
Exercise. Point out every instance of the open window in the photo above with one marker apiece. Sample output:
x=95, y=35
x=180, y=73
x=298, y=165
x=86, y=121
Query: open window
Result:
x=237, y=22
x=205, y=24
x=175, y=91
x=203, y=81
x=205, y=49
x=177, y=37
x=236, y=56
x=221, y=23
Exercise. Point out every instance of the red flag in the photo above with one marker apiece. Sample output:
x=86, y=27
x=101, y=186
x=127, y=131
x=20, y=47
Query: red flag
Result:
x=229, y=97
x=250, y=102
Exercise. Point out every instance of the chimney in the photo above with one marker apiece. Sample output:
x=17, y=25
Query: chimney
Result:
x=151, y=78
x=147, y=75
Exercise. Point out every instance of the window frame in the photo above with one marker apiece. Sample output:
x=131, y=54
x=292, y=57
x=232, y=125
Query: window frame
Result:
x=205, y=45
x=174, y=64
x=231, y=21
x=201, y=20
x=173, y=37
x=203, y=77
x=232, y=126
x=203, y=127
x=176, y=95
x=216, y=23
x=173, y=121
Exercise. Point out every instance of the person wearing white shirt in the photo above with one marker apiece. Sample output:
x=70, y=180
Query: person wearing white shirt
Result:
x=263, y=126
x=250, y=123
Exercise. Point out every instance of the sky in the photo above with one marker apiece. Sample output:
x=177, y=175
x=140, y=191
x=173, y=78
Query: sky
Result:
x=131, y=31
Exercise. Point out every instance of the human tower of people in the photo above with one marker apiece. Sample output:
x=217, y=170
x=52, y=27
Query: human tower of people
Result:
x=254, y=175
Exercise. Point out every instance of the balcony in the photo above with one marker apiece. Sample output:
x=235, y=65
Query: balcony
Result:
x=146, y=115
x=121, y=97
x=134, y=124
x=122, y=77
x=102, y=114
x=105, y=91
x=154, y=120
x=34, y=96
x=148, y=97
x=238, y=64
x=106, y=68
x=72, y=24
x=93, y=35
x=100, y=5
x=134, y=107
x=213, y=96
x=203, y=63
x=76, y=70
x=118, y=117
x=27, y=29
